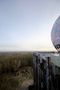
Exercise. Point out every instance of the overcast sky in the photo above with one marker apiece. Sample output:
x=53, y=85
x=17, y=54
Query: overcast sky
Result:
x=27, y=24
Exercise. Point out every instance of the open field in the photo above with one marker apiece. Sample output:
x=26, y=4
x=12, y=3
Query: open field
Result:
x=15, y=69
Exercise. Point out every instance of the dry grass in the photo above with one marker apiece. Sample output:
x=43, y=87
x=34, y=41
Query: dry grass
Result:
x=14, y=70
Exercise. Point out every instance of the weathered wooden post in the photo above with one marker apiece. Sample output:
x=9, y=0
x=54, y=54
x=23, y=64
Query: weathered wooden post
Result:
x=49, y=74
x=36, y=69
x=39, y=72
x=45, y=74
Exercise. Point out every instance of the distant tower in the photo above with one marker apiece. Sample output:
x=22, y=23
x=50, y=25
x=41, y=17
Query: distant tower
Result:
x=55, y=34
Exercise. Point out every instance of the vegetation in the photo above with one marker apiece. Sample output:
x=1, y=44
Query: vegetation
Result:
x=15, y=69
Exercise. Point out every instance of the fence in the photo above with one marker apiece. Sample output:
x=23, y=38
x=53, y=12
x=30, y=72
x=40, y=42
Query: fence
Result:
x=44, y=78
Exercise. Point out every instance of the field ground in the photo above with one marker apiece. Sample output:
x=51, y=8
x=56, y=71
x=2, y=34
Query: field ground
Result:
x=16, y=72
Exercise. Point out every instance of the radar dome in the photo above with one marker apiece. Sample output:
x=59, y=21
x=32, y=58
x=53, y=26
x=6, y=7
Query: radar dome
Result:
x=55, y=34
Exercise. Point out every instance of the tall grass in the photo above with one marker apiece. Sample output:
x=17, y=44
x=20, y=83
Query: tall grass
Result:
x=14, y=69
x=13, y=62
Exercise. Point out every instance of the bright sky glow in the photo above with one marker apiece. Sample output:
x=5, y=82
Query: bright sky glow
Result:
x=26, y=24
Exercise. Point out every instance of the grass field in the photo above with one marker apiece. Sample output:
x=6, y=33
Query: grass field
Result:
x=15, y=69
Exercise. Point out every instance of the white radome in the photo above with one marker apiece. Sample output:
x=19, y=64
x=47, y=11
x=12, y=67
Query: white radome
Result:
x=55, y=34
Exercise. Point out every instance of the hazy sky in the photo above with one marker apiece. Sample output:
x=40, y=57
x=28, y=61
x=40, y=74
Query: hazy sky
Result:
x=27, y=24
